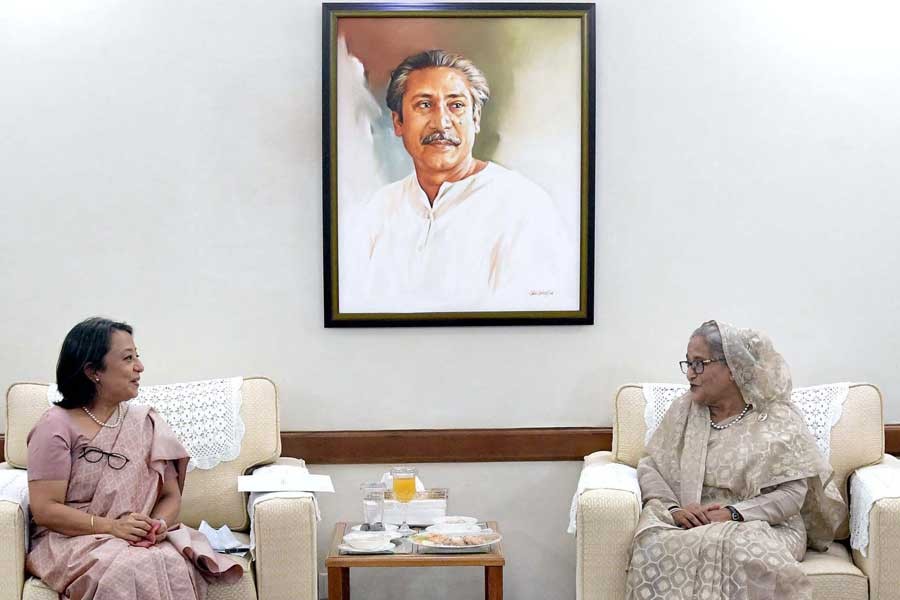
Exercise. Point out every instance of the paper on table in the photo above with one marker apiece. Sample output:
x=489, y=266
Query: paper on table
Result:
x=285, y=482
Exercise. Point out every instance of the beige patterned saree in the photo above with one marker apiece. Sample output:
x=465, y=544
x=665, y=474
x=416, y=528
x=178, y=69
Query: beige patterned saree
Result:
x=103, y=567
x=771, y=446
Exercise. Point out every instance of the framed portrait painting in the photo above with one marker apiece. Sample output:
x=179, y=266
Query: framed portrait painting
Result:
x=458, y=163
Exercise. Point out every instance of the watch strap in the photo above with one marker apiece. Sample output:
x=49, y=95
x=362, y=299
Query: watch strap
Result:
x=735, y=515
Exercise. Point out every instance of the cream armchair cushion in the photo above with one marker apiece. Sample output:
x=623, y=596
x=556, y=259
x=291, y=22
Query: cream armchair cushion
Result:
x=285, y=563
x=606, y=518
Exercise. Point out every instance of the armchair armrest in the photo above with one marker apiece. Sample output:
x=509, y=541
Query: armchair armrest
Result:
x=606, y=520
x=285, y=537
x=285, y=530
x=883, y=550
x=13, y=526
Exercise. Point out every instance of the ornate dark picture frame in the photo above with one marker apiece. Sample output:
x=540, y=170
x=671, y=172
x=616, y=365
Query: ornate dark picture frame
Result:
x=508, y=240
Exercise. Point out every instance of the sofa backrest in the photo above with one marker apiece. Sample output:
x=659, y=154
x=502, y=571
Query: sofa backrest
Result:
x=209, y=494
x=857, y=439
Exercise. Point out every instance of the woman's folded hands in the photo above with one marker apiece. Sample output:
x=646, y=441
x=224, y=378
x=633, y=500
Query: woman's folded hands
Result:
x=695, y=515
x=139, y=530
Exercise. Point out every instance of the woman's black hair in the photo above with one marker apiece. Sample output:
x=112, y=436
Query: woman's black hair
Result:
x=85, y=346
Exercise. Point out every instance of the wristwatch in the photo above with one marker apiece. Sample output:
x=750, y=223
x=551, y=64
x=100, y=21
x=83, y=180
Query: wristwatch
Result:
x=735, y=515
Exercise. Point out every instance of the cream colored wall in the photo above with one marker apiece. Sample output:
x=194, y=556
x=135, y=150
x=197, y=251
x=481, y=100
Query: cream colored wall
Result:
x=161, y=163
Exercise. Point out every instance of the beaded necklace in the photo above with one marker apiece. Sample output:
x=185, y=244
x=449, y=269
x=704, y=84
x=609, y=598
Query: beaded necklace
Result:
x=119, y=416
x=719, y=427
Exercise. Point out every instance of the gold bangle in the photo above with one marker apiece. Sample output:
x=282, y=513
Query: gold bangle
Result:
x=92, y=524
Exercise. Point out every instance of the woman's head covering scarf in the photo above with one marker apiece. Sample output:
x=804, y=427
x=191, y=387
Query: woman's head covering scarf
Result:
x=761, y=374
x=781, y=447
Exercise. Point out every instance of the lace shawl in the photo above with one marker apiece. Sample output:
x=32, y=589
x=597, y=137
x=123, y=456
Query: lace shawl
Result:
x=204, y=415
x=782, y=445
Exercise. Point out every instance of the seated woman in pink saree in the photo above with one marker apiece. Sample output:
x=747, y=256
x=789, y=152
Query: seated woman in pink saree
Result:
x=733, y=485
x=105, y=481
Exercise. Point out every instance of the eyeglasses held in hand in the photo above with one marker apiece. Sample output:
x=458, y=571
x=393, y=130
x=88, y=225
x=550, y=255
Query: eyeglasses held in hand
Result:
x=697, y=365
x=94, y=455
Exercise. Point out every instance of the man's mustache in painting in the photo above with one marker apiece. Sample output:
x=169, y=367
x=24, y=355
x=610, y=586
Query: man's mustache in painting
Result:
x=441, y=136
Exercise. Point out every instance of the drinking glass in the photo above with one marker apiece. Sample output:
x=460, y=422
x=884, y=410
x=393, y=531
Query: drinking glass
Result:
x=373, y=506
x=404, y=488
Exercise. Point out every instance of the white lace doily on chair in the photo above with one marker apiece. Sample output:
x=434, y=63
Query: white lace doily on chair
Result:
x=658, y=398
x=205, y=415
x=820, y=405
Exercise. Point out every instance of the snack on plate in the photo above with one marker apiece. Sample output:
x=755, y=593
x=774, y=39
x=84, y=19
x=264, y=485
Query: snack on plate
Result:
x=439, y=539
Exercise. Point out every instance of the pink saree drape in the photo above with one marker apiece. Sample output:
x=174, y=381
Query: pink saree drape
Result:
x=104, y=567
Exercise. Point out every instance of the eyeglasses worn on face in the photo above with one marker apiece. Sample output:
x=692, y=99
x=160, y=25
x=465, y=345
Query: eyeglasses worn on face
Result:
x=94, y=455
x=697, y=365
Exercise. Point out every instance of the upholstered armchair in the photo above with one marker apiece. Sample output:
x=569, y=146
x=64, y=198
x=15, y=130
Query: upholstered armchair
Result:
x=285, y=528
x=606, y=518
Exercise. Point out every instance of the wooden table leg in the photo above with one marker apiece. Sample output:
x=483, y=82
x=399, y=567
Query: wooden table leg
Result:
x=493, y=583
x=338, y=583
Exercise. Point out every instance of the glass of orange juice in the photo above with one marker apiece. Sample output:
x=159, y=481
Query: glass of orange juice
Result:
x=404, y=488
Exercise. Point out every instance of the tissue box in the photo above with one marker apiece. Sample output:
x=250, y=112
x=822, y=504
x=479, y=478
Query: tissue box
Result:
x=421, y=510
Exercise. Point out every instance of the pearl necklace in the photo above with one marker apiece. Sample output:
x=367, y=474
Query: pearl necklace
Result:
x=719, y=427
x=106, y=424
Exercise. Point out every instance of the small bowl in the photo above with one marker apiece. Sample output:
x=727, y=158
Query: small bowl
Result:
x=368, y=540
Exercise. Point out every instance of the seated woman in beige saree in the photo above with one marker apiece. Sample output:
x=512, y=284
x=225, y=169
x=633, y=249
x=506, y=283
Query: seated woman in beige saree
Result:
x=105, y=481
x=733, y=485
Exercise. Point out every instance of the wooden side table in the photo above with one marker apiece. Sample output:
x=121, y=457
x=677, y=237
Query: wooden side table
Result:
x=339, y=564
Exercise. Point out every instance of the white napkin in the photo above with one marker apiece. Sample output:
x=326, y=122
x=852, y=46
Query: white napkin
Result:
x=867, y=486
x=222, y=539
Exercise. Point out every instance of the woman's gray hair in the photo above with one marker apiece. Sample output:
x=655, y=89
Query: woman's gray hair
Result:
x=478, y=86
x=709, y=331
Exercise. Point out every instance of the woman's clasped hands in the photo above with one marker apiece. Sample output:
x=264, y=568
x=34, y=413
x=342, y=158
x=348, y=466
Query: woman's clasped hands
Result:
x=139, y=530
x=696, y=515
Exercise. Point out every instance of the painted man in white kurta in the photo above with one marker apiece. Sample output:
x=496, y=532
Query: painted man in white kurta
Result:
x=459, y=234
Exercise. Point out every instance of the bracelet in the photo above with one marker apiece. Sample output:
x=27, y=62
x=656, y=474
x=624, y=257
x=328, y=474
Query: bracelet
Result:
x=92, y=524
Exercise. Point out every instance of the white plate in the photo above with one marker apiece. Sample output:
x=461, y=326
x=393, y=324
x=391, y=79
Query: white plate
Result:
x=455, y=520
x=386, y=549
x=366, y=540
x=421, y=540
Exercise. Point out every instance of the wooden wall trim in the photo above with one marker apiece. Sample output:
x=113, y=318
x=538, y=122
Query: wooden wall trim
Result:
x=892, y=438
x=445, y=445
x=461, y=445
